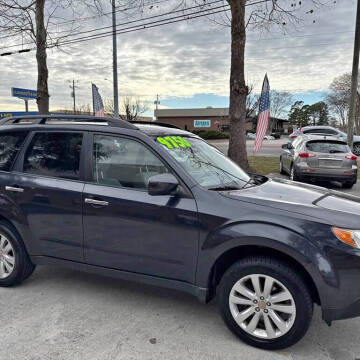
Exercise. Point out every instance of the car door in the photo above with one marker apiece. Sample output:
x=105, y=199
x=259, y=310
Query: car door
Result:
x=126, y=228
x=47, y=188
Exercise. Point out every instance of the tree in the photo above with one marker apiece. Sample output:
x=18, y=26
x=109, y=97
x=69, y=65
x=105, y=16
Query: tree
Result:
x=299, y=116
x=280, y=102
x=130, y=109
x=318, y=113
x=35, y=21
x=339, y=97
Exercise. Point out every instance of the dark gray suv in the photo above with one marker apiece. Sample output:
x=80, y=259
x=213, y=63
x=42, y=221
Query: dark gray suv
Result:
x=155, y=204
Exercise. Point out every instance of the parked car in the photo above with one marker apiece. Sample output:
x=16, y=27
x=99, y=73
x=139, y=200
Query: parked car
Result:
x=327, y=130
x=314, y=157
x=158, y=205
x=269, y=137
x=251, y=136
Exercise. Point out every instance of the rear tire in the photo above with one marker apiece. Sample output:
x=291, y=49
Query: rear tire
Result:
x=293, y=175
x=241, y=314
x=348, y=184
x=15, y=264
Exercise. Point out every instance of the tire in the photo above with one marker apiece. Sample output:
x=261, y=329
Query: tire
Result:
x=281, y=169
x=348, y=184
x=16, y=266
x=292, y=175
x=356, y=149
x=283, y=276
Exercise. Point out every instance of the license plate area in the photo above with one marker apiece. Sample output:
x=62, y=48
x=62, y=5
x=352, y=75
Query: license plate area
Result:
x=330, y=163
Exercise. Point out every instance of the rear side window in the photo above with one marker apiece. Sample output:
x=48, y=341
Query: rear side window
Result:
x=321, y=131
x=10, y=144
x=328, y=147
x=54, y=154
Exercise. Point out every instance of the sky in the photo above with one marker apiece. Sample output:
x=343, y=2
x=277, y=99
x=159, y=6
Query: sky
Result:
x=188, y=63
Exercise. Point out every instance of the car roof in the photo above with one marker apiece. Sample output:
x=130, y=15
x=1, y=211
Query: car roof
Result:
x=89, y=123
x=318, y=127
x=313, y=137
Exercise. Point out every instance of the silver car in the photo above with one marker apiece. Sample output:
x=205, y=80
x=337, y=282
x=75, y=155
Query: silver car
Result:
x=322, y=158
x=328, y=131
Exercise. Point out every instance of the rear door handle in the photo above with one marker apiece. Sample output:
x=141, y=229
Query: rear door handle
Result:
x=96, y=202
x=14, y=189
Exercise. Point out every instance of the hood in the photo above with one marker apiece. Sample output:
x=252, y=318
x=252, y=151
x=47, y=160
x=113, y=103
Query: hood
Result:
x=327, y=206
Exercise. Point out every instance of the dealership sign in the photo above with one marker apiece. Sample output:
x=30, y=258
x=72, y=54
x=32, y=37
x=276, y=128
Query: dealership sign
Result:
x=25, y=94
x=202, y=123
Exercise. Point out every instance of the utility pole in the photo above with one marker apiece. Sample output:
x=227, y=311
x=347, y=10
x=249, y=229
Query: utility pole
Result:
x=157, y=102
x=115, y=72
x=354, y=79
x=73, y=94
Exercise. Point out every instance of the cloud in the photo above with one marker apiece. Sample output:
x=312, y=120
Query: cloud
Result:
x=184, y=59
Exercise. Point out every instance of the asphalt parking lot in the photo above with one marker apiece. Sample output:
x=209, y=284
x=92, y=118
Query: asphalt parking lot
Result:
x=69, y=315
x=269, y=147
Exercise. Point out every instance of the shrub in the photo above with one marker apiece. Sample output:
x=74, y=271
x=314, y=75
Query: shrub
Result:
x=211, y=134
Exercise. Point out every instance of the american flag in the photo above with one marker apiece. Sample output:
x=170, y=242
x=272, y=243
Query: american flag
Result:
x=264, y=114
x=98, y=104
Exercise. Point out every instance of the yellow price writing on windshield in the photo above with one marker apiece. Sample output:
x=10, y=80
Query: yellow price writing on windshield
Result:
x=173, y=142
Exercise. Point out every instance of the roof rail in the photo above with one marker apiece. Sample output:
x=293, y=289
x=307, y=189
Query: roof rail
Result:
x=42, y=119
x=162, y=124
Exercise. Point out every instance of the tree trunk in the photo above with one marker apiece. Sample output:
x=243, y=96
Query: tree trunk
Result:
x=238, y=88
x=42, y=84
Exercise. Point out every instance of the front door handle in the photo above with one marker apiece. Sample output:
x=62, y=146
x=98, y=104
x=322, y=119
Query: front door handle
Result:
x=96, y=202
x=14, y=189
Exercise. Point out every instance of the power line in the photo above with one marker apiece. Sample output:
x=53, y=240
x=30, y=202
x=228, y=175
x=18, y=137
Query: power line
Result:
x=135, y=21
x=189, y=17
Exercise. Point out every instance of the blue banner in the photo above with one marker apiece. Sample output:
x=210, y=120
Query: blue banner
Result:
x=24, y=93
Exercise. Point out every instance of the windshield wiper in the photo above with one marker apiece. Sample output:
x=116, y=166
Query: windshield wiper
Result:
x=224, y=188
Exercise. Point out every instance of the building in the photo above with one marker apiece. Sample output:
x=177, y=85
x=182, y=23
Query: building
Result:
x=210, y=119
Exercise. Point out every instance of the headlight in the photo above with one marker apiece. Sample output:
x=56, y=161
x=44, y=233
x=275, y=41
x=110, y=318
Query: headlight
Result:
x=350, y=237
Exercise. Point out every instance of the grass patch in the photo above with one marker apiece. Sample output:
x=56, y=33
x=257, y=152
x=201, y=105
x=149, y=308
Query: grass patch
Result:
x=264, y=165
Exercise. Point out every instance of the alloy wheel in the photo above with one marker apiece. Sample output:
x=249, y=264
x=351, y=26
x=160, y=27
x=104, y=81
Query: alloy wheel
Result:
x=356, y=149
x=7, y=257
x=262, y=306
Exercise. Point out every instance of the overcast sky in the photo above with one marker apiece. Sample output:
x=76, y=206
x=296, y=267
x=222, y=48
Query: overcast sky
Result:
x=188, y=63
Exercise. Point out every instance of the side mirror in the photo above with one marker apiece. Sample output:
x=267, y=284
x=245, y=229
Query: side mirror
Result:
x=163, y=184
x=287, y=146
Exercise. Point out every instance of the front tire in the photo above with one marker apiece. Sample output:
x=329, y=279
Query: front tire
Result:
x=265, y=303
x=356, y=149
x=15, y=264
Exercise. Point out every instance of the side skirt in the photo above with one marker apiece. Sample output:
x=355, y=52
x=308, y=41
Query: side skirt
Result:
x=199, y=292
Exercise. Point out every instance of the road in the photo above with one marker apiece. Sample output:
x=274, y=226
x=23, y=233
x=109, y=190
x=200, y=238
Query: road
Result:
x=67, y=315
x=269, y=147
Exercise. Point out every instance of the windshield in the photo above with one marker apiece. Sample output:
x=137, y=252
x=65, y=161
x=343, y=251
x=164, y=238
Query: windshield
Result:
x=328, y=147
x=204, y=163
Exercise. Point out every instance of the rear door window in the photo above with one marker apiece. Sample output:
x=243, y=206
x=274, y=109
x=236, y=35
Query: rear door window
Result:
x=10, y=144
x=328, y=147
x=55, y=154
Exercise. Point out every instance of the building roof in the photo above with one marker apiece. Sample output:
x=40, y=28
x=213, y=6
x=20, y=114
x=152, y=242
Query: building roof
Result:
x=191, y=112
x=201, y=112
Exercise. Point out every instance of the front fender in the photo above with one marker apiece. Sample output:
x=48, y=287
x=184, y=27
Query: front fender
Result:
x=267, y=236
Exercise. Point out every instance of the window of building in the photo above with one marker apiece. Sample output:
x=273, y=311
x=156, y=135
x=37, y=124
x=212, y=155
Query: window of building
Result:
x=10, y=144
x=55, y=154
x=124, y=162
